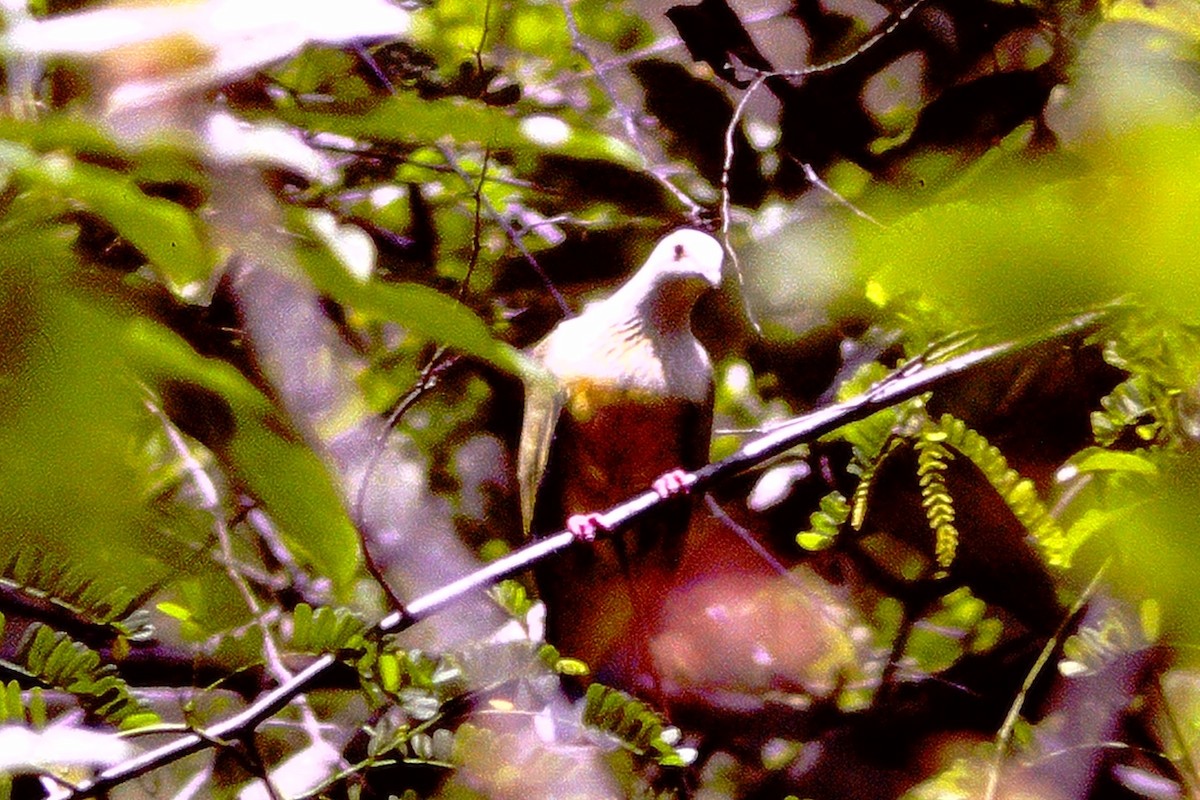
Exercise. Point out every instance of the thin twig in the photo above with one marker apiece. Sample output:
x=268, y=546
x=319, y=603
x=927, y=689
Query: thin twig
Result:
x=438, y=363
x=726, y=168
x=695, y=210
x=746, y=536
x=663, y=45
x=761, y=77
x=483, y=35
x=477, y=229
x=511, y=232
x=815, y=180
x=294, y=578
x=1181, y=731
x=871, y=41
x=211, y=504
x=739, y=112
x=196, y=786
x=252, y=758
x=1004, y=735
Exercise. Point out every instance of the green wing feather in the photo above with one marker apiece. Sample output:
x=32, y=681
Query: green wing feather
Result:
x=544, y=401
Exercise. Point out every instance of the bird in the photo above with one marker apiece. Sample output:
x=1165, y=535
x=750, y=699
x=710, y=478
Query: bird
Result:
x=630, y=407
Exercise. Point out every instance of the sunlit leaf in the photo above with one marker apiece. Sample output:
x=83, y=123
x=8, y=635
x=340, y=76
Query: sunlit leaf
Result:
x=408, y=118
x=436, y=316
x=1114, y=461
x=165, y=232
x=1020, y=254
x=1179, y=16
x=159, y=48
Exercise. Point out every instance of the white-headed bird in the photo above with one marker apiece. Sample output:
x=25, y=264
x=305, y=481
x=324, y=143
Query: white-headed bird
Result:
x=631, y=409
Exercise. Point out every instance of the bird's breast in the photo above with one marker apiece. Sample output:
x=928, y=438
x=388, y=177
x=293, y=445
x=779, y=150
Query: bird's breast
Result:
x=618, y=441
x=610, y=443
x=645, y=363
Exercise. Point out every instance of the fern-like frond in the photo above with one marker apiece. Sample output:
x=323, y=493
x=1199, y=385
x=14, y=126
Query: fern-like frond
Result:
x=415, y=681
x=1127, y=407
x=825, y=522
x=512, y=596
x=636, y=726
x=15, y=708
x=866, y=481
x=1093, y=647
x=65, y=590
x=1018, y=493
x=55, y=660
x=1156, y=404
x=933, y=458
x=327, y=630
x=868, y=437
x=872, y=439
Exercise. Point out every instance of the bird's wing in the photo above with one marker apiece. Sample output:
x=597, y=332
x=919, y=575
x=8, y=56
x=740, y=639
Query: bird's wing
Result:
x=700, y=444
x=544, y=401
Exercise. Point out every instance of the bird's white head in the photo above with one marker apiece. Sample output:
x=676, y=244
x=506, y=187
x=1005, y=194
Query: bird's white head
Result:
x=687, y=253
x=680, y=268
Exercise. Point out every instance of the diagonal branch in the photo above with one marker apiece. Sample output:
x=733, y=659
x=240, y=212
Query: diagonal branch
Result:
x=904, y=384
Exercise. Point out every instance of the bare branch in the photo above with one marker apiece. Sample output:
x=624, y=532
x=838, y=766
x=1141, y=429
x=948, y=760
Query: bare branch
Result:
x=739, y=112
x=627, y=116
x=1005, y=734
x=271, y=653
x=761, y=77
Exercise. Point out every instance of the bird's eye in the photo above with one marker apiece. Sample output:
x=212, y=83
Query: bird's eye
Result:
x=678, y=252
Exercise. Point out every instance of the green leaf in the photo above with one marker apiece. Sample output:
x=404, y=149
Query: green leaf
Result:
x=1179, y=16
x=429, y=312
x=410, y=119
x=825, y=523
x=62, y=132
x=389, y=671
x=174, y=610
x=512, y=597
x=635, y=725
x=1019, y=252
x=64, y=387
x=572, y=666
x=58, y=661
x=1090, y=522
x=1150, y=617
x=1097, y=460
x=258, y=447
x=167, y=234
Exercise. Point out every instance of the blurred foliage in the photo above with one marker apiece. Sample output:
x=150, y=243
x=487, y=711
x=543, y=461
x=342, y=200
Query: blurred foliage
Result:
x=267, y=271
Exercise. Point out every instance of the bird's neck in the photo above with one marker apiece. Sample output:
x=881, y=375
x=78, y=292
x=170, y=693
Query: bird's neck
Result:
x=651, y=346
x=636, y=340
x=659, y=311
